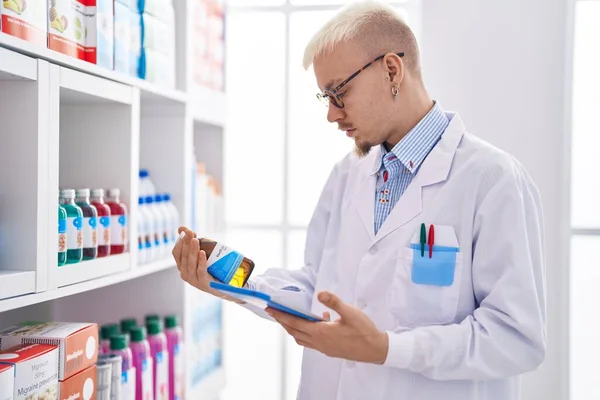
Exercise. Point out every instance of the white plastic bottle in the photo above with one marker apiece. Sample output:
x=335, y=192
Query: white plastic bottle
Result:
x=157, y=221
x=146, y=188
x=167, y=227
x=162, y=221
x=149, y=222
x=174, y=216
x=141, y=226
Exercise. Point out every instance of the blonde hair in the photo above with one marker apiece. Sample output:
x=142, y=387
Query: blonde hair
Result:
x=375, y=26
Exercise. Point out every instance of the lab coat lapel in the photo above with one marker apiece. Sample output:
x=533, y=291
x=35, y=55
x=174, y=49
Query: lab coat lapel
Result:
x=434, y=169
x=363, y=197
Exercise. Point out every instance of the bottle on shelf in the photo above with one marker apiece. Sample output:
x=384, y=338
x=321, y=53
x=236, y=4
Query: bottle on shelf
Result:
x=62, y=235
x=165, y=227
x=74, y=224
x=173, y=217
x=118, y=222
x=149, y=229
x=174, y=336
x=158, y=351
x=119, y=345
x=106, y=332
x=90, y=224
x=142, y=228
x=97, y=200
x=142, y=362
x=157, y=227
x=146, y=187
x=226, y=264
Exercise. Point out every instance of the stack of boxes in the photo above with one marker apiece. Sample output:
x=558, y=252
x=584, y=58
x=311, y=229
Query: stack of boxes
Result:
x=54, y=359
x=25, y=19
x=208, y=43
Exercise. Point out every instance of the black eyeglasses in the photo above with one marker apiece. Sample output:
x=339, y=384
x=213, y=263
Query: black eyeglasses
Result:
x=332, y=96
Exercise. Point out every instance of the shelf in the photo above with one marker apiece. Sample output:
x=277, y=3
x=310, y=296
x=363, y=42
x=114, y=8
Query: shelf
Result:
x=35, y=298
x=92, y=269
x=150, y=92
x=209, y=106
x=80, y=88
x=15, y=66
x=16, y=283
x=210, y=387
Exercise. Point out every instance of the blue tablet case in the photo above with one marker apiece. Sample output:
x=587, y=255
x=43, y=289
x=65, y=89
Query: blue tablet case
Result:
x=262, y=300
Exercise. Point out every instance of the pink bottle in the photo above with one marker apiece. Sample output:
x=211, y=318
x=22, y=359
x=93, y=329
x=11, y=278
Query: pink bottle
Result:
x=158, y=351
x=119, y=345
x=140, y=349
x=174, y=348
x=106, y=331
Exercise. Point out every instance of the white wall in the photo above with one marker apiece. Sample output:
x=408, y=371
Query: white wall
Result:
x=501, y=65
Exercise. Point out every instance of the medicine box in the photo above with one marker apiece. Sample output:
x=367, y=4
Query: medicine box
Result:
x=77, y=343
x=25, y=19
x=122, y=38
x=68, y=29
x=103, y=41
x=7, y=381
x=83, y=385
x=35, y=371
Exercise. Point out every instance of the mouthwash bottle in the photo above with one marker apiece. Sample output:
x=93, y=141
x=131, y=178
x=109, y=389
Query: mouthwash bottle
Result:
x=90, y=224
x=97, y=200
x=62, y=235
x=118, y=222
x=74, y=223
x=226, y=264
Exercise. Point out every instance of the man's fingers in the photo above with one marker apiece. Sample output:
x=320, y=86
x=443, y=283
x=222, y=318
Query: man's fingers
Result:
x=192, y=264
x=298, y=335
x=335, y=303
x=201, y=271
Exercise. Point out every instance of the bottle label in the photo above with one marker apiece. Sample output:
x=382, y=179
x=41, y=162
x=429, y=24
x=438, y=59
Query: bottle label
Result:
x=74, y=233
x=90, y=232
x=178, y=370
x=147, y=393
x=162, y=376
x=104, y=231
x=224, y=262
x=128, y=384
x=62, y=235
x=118, y=229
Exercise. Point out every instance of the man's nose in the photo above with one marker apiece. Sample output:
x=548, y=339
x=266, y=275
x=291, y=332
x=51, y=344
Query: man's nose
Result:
x=334, y=113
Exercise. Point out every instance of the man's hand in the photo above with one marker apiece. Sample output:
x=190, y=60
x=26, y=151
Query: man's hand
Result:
x=352, y=337
x=192, y=264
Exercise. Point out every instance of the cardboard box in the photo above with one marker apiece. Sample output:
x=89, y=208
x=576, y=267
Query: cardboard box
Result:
x=103, y=41
x=7, y=381
x=69, y=25
x=81, y=386
x=122, y=38
x=135, y=49
x=25, y=19
x=77, y=343
x=35, y=371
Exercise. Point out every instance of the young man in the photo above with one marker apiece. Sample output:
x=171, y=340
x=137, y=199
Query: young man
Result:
x=425, y=252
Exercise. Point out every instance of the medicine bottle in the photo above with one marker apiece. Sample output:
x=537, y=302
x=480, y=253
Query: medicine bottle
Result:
x=118, y=222
x=74, y=223
x=97, y=200
x=62, y=235
x=226, y=264
x=90, y=224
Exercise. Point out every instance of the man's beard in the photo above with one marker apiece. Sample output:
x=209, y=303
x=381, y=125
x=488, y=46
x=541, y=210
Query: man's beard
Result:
x=362, y=149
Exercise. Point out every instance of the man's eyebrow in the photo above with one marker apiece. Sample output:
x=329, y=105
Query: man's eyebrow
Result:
x=332, y=83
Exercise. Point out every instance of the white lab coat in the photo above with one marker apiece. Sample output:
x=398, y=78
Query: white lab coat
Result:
x=467, y=341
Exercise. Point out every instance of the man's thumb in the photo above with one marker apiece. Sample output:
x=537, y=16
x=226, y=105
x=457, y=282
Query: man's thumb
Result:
x=332, y=301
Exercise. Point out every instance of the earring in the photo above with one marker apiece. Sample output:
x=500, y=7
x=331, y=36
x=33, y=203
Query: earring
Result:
x=395, y=91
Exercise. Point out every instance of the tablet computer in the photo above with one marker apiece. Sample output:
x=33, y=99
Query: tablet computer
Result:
x=263, y=300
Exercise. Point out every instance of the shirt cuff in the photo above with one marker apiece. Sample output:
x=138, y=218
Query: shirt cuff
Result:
x=401, y=347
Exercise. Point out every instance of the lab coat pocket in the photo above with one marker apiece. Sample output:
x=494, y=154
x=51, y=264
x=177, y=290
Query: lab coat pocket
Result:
x=425, y=290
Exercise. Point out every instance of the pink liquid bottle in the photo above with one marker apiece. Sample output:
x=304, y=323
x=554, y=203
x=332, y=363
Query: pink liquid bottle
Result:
x=119, y=345
x=160, y=357
x=175, y=350
x=142, y=361
x=106, y=332
x=118, y=222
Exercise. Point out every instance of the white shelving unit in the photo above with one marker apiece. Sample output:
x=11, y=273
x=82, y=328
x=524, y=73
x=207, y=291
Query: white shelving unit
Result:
x=68, y=123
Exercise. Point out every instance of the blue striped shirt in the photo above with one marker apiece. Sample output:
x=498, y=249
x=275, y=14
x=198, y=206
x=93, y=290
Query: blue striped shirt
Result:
x=399, y=167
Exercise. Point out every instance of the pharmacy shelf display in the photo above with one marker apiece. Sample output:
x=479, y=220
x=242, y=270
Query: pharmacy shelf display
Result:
x=67, y=123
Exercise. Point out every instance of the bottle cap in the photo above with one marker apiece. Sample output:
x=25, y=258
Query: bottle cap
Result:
x=97, y=192
x=113, y=192
x=143, y=173
x=149, y=199
x=108, y=330
x=83, y=192
x=138, y=334
x=158, y=198
x=171, y=321
x=67, y=193
x=150, y=317
x=140, y=200
x=127, y=324
x=155, y=326
x=118, y=342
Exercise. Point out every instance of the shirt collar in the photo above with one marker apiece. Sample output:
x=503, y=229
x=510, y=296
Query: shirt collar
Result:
x=412, y=150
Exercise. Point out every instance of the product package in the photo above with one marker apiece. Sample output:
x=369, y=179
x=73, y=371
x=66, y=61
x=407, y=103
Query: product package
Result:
x=7, y=381
x=122, y=38
x=103, y=41
x=77, y=343
x=24, y=19
x=135, y=50
x=80, y=386
x=35, y=371
x=70, y=27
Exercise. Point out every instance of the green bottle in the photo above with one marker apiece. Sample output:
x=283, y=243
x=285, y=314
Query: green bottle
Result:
x=74, y=224
x=62, y=235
